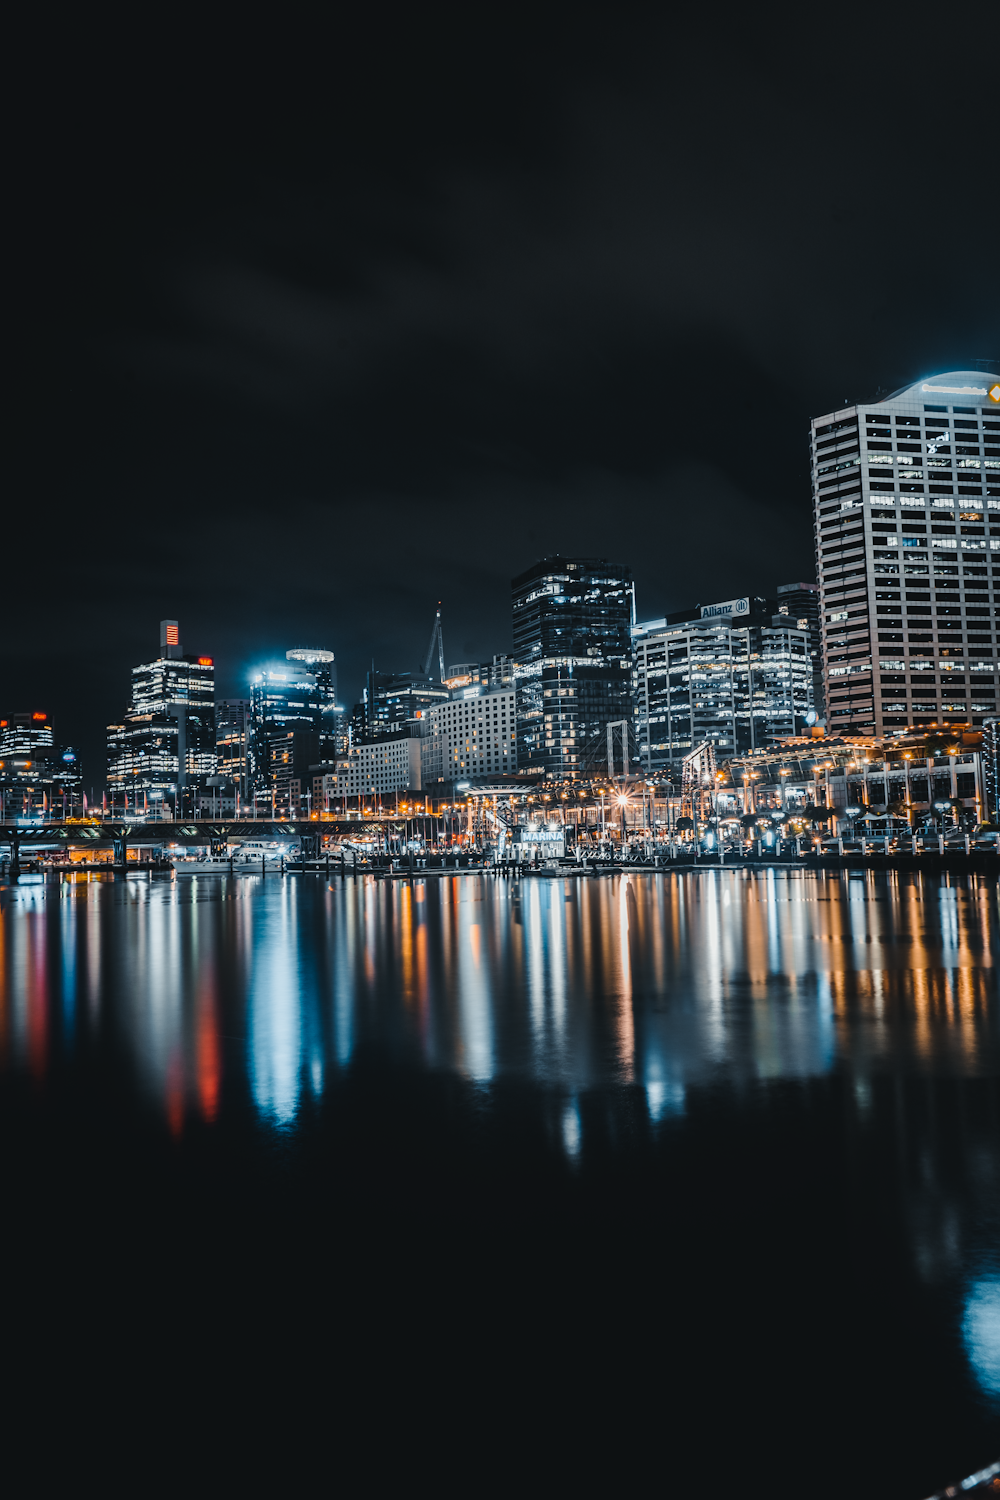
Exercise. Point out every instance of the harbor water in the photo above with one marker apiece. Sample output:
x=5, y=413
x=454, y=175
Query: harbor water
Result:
x=714, y=1152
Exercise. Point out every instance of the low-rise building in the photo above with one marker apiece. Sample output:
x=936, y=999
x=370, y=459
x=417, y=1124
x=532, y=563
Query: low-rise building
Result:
x=913, y=775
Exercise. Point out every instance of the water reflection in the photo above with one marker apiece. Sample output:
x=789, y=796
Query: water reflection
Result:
x=981, y=1332
x=671, y=990
x=667, y=981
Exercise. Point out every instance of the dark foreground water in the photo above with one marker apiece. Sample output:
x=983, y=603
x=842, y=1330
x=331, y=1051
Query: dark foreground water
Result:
x=687, y=1181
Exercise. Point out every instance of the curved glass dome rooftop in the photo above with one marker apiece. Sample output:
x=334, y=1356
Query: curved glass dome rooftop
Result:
x=969, y=386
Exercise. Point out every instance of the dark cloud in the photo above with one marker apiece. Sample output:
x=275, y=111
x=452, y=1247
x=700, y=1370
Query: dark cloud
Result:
x=318, y=331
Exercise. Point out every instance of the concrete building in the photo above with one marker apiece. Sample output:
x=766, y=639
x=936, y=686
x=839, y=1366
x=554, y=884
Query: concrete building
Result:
x=736, y=675
x=906, y=502
x=571, y=617
x=218, y=798
x=473, y=735
x=380, y=767
x=496, y=673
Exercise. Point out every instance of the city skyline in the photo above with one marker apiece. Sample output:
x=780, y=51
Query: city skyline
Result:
x=346, y=360
x=524, y=587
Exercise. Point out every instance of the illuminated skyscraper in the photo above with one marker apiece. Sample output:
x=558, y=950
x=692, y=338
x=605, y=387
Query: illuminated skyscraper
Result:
x=166, y=741
x=294, y=725
x=37, y=776
x=232, y=721
x=572, y=647
x=800, y=602
x=906, y=501
x=736, y=675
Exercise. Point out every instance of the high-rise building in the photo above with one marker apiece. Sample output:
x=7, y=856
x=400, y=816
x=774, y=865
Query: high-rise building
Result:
x=736, y=675
x=294, y=725
x=391, y=700
x=906, y=501
x=572, y=646
x=232, y=723
x=165, y=743
x=800, y=602
x=37, y=776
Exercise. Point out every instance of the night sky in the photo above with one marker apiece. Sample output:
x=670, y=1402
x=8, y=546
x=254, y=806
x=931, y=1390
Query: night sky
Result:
x=317, y=325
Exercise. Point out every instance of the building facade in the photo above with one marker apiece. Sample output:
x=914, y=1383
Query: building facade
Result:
x=380, y=767
x=908, y=777
x=496, y=673
x=473, y=735
x=991, y=769
x=232, y=731
x=800, y=602
x=164, y=746
x=737, y=676
x=906, y=503
x=572, y=618
x=391, y=700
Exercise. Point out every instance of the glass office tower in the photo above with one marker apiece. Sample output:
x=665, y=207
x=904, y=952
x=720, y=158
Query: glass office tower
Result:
x=392, y=699
x=906, y=504
x=232, y=720
x=294, y=724
x=736, y=675
x=573, y=653
x=800, y=602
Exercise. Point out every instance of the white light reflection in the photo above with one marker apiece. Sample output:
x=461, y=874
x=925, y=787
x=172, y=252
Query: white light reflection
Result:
x=981, y=1333
x=664, y=1096
x=572, y=1130
x=275, y=1019
x=475, y=1019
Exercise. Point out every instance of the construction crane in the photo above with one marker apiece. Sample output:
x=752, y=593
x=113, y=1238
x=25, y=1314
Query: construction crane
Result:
x=436, y=639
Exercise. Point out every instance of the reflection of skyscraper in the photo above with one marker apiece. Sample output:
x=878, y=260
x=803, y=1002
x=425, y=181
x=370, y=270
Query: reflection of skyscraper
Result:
x=572, y=617
x=166, y=741
x=294, y=724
